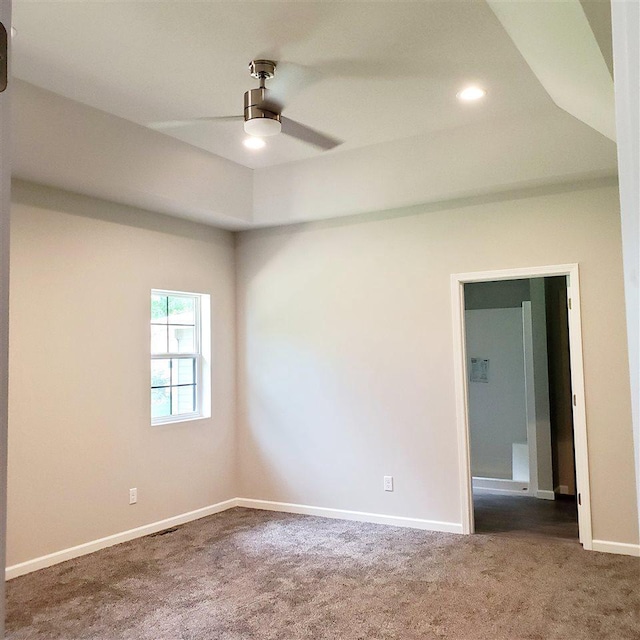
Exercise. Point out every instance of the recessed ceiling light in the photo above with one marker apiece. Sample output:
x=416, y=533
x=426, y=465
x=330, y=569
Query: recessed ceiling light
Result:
x=254, y=143
x=469, y=94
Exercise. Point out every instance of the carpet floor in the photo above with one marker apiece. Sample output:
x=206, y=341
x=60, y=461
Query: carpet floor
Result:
x=246, y=574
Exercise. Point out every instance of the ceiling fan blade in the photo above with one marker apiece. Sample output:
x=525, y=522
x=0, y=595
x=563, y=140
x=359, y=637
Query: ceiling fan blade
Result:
x=173, y=124
x=308, y=135
x=271, y=103
x=291, y=80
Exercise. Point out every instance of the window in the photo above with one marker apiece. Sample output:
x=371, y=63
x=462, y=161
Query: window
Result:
x=179, y=371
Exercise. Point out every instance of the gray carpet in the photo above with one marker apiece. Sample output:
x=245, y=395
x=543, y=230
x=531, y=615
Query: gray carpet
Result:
x=246, y=574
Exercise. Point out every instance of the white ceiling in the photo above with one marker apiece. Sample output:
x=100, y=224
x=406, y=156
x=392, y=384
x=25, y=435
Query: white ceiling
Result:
x=363, y=72
x=382, y=76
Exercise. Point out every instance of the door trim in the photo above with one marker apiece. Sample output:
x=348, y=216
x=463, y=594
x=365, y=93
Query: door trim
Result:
x=530, y=397
x=458, y=280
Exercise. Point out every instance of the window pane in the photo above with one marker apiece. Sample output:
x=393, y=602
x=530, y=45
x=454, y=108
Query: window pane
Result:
x=161, y=373
x=158, y=338
x=159, y=308
x=160, y=403
x=181, y=310
x=182, y=339
x=183, y=370
x=175, y=325
x=183, y=400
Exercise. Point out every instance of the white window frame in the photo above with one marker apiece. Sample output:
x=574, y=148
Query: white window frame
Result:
x=201, y=355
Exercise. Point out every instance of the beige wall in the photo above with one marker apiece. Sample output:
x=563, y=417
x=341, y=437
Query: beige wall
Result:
x=79, y=424
x=345, y=360
x=346, y=356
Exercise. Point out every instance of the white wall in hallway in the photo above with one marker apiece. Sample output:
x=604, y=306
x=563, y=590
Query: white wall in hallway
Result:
x=497, y=408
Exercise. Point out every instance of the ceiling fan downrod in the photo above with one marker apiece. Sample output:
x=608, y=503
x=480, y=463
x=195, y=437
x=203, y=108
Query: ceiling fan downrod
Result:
x=260, y=118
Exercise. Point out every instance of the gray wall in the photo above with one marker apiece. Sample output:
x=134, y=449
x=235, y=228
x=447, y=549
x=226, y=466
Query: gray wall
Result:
x=501, y=294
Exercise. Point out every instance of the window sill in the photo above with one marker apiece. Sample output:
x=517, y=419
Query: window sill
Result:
x=162, y=423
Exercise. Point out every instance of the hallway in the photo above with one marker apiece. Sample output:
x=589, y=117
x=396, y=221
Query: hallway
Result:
x=523, y=515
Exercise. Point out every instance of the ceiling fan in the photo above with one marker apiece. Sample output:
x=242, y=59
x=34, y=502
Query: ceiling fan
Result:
x=262, y=113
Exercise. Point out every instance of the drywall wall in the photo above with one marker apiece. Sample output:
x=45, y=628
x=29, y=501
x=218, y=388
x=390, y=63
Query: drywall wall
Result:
x=625, y=18
x=79, y=410
x=497, y=406
x=346, y=354
x=5, y=188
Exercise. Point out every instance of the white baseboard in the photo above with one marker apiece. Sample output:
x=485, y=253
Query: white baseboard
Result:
x=49, y=560
x=95, y=545
x=359, y=516
x=501, y=486
x=563, y=490
x=622, y=548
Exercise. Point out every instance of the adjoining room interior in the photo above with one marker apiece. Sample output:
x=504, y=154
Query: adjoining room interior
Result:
x=236, y=360
x=520, y=406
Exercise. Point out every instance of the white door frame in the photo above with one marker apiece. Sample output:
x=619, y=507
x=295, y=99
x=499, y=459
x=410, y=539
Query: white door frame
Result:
x=530, y=397
x=458, y=281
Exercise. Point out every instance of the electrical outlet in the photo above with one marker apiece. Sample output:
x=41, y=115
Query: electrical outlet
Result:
x=133, y=496
x=388, y=483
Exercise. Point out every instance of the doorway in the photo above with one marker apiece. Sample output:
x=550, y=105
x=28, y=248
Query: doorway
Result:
x=521, y=418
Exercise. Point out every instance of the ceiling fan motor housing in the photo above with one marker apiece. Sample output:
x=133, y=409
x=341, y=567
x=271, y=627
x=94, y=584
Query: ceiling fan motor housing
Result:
x=260, y=118
x=259, y=121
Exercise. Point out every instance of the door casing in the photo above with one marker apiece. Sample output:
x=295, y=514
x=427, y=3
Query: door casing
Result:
x=458, y=280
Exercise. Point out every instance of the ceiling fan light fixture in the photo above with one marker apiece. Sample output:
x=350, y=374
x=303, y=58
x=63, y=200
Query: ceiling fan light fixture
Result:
x=261, y=118
x=254, y=143
x=262, y=127
x=262, y=115
x=471, y=94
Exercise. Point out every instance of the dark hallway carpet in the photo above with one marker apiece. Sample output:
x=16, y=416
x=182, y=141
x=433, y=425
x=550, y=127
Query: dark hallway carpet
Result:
x=247, y=574
x=522, y=515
